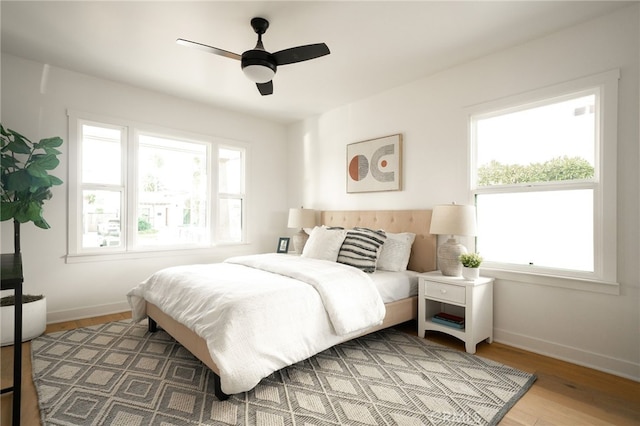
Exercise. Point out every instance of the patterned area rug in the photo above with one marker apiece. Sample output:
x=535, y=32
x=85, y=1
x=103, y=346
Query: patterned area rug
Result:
x=120, y=374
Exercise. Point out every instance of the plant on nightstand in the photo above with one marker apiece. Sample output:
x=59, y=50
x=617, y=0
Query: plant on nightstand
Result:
x=470, y=265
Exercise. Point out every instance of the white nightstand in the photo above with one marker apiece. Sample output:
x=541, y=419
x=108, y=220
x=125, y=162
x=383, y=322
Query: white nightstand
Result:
x=471, y=299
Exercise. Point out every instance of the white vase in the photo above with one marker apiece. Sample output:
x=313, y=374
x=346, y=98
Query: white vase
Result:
x=34, y=321
x=470, y=274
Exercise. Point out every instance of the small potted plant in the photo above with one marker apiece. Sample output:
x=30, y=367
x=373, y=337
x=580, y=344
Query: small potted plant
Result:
x=470, y=265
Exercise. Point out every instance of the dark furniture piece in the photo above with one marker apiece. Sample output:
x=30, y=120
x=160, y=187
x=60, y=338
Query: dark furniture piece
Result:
x=11, y=278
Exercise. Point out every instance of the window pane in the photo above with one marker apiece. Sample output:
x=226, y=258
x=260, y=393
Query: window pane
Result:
x=548, y=229
x=101, y=155
x=554, y=142
x=172, y=194
x=101, y=213
x=230, y=171
x=230, y=220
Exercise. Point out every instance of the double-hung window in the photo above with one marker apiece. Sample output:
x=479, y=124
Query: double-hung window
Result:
x=135, y=188
x=543, y=179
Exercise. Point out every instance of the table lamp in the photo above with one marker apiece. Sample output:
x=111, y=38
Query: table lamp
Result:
x=452, y=219
x=301, y=218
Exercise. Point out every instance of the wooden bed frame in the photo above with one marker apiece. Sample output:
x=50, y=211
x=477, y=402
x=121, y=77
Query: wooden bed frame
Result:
x=423, y=259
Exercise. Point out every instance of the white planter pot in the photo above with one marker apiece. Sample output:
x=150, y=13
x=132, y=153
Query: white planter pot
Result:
x=34, y=321
x=470, y=274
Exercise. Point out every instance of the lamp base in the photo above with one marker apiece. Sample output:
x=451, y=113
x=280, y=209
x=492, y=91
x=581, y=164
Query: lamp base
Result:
x=448, y=254
x=299, y=240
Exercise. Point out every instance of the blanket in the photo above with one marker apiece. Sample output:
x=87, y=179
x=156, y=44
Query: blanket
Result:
x=349, y=295
x=255, y=321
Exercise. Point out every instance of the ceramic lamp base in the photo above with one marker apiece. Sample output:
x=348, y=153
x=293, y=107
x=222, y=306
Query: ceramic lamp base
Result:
x=299, y=240
x=448, y=254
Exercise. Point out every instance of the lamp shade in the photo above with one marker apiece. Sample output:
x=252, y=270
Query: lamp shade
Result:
x=302, y=218
x=453, y=219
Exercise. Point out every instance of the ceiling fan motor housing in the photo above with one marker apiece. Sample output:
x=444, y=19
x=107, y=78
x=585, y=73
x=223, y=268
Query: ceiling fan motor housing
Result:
x=258, y=65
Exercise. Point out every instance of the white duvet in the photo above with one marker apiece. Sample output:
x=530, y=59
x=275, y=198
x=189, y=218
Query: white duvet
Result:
x=261, y=313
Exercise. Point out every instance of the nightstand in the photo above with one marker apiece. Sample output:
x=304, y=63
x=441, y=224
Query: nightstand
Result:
x=472, y=300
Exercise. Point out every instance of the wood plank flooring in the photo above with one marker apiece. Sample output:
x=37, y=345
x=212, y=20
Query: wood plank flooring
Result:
x=563, y=394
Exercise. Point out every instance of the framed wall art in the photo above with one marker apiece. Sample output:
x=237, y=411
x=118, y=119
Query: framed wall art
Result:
x=375, y=165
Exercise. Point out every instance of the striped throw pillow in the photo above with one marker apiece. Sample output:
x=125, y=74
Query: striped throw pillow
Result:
x=361, y=247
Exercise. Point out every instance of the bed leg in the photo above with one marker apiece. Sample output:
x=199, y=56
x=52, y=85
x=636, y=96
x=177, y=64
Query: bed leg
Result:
x=217, y=388
x=153, y=326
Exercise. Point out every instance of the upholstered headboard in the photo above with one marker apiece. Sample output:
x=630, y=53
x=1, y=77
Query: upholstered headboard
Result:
x=423, y=252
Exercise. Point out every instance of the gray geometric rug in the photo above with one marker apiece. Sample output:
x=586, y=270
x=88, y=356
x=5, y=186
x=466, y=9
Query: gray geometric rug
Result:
x=120, y=374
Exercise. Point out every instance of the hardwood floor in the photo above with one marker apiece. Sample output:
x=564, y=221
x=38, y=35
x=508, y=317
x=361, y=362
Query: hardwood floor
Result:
x=563, y=394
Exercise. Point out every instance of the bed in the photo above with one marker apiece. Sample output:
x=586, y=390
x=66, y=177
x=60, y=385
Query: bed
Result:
x=317, y=333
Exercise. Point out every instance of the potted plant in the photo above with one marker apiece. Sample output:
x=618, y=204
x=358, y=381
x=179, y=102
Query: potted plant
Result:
x=25, y=185
x=34, y=308
x=470, y=265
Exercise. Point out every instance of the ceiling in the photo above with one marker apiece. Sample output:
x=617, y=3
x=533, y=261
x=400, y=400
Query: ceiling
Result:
x=374, y=45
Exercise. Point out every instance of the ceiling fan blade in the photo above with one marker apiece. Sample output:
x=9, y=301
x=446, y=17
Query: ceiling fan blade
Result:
x=209, y=49
x=265, y=88
x=301, y=53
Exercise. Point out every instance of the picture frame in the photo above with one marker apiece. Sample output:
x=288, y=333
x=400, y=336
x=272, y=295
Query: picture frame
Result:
x=283, y=245
x=375, y=165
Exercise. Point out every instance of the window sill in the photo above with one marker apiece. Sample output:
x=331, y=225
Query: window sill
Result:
x=229, y=250
x=582, y=284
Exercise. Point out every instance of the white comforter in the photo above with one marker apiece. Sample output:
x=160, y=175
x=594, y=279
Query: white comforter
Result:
x=261, y=313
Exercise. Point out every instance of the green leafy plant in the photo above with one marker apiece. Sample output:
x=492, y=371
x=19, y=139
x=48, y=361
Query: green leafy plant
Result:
x=26, y=182
x=470, y=260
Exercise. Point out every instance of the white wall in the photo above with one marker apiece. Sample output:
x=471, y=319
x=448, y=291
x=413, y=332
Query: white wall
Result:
x=593, y=329
x=34, y=103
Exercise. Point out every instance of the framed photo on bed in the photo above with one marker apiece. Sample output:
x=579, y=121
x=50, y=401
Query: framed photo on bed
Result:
x=283, y=245
x=375, y=165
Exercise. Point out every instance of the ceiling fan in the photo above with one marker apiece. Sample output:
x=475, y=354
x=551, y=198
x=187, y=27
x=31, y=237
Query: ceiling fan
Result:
x=259, y=65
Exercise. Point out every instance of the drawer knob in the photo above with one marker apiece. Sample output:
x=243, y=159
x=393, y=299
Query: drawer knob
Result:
x=443, y=291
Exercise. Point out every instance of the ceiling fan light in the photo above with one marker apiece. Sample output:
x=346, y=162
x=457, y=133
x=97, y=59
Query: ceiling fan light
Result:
x=259, y=73
x=258, y=65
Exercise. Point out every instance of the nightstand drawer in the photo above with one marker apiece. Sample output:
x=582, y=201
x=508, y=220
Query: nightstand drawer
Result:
x=446, y=292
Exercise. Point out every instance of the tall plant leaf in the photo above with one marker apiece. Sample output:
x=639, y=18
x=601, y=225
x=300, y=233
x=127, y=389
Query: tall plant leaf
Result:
x=18, y=181
x=26, y=182
x=49, y=142
x=18, y=146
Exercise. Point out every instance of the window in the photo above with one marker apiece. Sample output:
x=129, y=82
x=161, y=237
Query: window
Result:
x=139, y=189
x=543, y=180
x=171, y=192
x=230, y=194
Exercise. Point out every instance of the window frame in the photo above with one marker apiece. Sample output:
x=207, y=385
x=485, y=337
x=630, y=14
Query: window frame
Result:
x=131, y=130
x=604, y=185
x=241, y=195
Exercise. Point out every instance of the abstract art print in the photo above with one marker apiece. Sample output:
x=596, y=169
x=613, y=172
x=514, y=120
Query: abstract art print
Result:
x=375, y=165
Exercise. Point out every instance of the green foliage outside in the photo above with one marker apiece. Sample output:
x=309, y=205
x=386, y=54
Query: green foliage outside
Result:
x=556, y=169
x=26, y=182
x=143, y=225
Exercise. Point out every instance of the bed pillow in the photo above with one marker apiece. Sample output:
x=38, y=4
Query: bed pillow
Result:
x=324, y=243
x=395, y=252
x=361, y=247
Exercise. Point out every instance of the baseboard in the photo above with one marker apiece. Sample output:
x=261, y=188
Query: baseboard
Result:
x=87, y=312
x=607, y=364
